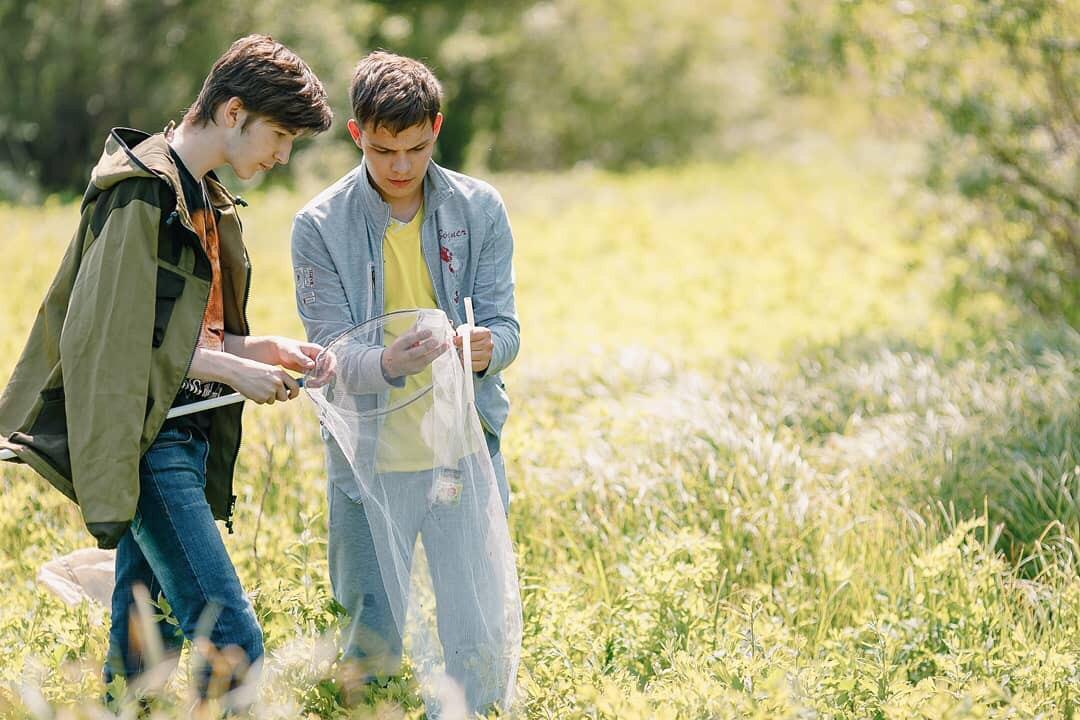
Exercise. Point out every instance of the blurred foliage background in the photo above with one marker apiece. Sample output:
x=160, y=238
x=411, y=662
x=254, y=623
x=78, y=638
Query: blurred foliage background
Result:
x=528, y=85
x=798, y=282
x=989, y=89
x=992, y=90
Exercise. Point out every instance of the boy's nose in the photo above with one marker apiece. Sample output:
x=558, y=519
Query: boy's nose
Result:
x=283, y=154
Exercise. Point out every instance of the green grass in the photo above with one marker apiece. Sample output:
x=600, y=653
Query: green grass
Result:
x=757, y=472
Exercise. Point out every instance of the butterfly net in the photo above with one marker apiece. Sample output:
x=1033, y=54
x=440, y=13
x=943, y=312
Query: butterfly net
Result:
x=438, y=525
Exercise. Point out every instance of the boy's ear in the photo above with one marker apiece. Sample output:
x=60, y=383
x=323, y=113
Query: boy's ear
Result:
x=232, y=112
x=354, y=130
x=437, y=124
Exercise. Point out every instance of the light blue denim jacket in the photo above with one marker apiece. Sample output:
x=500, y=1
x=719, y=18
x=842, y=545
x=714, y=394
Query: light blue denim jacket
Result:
x=337, y=256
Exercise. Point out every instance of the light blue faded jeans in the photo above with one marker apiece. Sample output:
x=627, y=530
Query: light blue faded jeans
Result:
x=372, y=637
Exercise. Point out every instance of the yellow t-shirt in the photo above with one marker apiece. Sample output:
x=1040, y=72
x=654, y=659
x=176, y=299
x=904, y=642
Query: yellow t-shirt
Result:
x=407, y=284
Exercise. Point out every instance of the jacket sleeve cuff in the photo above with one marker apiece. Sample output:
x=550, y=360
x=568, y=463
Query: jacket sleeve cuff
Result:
x=397, y=382
x=367, y=375
x=108, y=534
x=498, y=357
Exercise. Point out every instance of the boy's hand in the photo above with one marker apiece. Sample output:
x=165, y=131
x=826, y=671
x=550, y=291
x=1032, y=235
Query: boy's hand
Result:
x=481, y=346
x=324, y=371
x=260, y=382
x=295, y=354
x=410, y=353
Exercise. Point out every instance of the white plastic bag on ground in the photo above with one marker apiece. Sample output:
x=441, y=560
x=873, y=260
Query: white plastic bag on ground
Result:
x=81, y=575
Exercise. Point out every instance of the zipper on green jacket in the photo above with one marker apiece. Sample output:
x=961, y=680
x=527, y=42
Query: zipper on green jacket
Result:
x=247, y=331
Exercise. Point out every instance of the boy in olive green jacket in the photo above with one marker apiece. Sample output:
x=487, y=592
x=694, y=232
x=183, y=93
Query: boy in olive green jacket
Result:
x=147, y=313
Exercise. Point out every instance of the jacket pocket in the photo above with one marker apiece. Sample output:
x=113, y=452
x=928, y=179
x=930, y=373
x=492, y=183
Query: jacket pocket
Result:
x=169, y=287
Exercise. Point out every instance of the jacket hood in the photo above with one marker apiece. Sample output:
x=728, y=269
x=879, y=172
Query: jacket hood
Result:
x=132, y=153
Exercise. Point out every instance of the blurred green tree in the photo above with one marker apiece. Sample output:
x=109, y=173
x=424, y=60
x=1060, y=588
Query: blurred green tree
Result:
x=613, y=83
x=73, y=70
x=1000, y=83
x=530, y=84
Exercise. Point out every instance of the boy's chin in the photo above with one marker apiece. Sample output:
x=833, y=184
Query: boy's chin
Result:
x=246, y=171
x=392, y=190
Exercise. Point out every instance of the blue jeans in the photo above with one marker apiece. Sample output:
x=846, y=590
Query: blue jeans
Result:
x=173, y=548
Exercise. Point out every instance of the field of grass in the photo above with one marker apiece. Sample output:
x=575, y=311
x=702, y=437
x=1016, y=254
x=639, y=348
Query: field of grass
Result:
x=756, y=470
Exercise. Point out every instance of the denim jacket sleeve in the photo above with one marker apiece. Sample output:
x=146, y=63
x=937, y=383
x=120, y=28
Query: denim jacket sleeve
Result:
x=493, y=292
x=324, y=308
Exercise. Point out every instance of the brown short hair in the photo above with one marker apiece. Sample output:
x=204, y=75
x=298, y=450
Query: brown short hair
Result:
x=394, y=92
x=271, y=80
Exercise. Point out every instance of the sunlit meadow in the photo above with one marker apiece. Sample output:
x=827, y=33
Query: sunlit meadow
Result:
x=757, y=470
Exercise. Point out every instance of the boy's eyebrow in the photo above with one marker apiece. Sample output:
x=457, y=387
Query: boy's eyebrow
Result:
x=281, y=128
x=421, y=144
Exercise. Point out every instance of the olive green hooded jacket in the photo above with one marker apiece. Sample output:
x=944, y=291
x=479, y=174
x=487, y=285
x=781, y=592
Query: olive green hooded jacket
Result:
x=114, y=337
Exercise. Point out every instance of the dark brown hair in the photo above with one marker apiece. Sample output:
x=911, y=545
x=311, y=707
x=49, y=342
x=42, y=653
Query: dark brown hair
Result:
x=271, y=80
x=394, y=92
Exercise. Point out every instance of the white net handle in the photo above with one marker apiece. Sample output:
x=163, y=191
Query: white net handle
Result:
x=465, y=333
x=201, y=405
x=230, y=399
